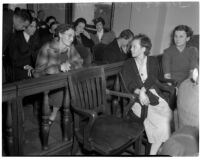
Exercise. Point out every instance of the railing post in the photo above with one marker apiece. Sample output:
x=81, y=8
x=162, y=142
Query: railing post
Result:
x=9, y=130
x=115, y=101
x=67, y=117
x=45, y=117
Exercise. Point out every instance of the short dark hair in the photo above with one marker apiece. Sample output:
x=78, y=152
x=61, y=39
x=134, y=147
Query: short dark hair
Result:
x=185, y=28
x=79, y=20
x=126, y=34
x=24, y=14
x=49, y=18
x=144, y=42
x=99, y=19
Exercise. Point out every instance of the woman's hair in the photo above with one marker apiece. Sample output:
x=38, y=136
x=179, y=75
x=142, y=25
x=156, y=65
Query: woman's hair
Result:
x=99, y=19
x=185, y=28
x=49, y=18
x=62, y=28
x=144, y=42
x=126, y=34
x=79, y=20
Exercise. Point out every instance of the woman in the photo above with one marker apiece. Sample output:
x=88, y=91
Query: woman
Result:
x=83, y=41
x=102, y=36
x=140, y=75
x=58, y=56
x=179, y=60
x=22, y=50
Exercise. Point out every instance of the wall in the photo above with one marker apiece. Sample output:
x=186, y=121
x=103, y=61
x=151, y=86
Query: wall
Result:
x=85, y=10
x=52, y=9
x=156, y=19
x=121, y=19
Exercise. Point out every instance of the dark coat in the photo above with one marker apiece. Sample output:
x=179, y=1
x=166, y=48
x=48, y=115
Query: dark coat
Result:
x=132, y=77
x=22, y=53
x=112, y=53
x=86, y=42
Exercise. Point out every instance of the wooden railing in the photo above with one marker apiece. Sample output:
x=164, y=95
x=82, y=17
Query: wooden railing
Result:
x=13, y=95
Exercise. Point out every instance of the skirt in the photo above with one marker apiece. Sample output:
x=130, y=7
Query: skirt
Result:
x=157, y=123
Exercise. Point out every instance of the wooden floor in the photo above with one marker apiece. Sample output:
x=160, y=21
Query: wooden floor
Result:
x=32, y=141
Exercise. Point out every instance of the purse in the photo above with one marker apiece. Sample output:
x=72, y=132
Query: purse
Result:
x=154, y=100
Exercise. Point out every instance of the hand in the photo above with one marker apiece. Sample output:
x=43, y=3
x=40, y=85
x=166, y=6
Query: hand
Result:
x=144, y=100
x=29, y=69
x=86, y=34
x=65, y=67
x=137, y=91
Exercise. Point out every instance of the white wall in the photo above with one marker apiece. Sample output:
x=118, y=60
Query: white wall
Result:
x=122, y=14
x=84, y=10
x=156, y=19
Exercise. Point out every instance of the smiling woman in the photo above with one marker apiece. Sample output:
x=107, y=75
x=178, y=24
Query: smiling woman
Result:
x=56, y=57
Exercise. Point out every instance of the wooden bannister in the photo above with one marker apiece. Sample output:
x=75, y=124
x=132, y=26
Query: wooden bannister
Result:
x=15, y=92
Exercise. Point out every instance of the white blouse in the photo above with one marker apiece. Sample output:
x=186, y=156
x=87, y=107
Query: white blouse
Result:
x=142, y=68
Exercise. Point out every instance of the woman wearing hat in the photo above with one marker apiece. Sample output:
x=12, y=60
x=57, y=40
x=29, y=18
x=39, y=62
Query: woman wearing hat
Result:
x=102, y=36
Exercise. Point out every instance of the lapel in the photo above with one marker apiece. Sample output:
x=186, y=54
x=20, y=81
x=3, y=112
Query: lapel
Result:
x=135, y=69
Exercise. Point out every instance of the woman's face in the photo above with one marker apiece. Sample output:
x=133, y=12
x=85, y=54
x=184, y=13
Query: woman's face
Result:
x=99, y=26
x=180, y=38
x=31, y=28
x=53, y=28
x=136, y=48
x=67, y=37
x=80, y=28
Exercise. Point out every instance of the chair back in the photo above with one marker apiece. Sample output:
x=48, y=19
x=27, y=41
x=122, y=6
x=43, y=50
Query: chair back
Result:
x=88, y=88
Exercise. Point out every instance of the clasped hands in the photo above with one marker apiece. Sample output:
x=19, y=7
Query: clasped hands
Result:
x=143, y=98
x=64, y=67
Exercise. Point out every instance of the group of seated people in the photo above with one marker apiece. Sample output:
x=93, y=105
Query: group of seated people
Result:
x=33, y=53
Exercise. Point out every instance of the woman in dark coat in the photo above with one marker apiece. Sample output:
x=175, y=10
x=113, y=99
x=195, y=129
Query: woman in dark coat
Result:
x=140, y=74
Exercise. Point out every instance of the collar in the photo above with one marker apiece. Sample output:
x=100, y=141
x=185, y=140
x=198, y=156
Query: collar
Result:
x=26, y=36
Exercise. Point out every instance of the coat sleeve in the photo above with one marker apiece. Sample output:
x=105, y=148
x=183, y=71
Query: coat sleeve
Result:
x=75, y=59
x=128, y=76
x=42, y=67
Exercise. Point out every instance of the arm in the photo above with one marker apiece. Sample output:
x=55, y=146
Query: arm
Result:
x=75, y=59
x=193, y=60
x=42, y=66
x=166, y=65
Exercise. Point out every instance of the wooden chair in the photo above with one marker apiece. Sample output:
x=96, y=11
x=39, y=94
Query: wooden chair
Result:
x=94, y=127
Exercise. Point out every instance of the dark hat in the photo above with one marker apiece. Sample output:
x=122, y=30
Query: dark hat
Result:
x=99, y=19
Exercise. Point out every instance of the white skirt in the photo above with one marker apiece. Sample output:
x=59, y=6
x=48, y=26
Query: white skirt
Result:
x=157, y=123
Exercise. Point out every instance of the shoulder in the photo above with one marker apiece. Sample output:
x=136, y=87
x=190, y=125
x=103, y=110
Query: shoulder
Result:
x=127, y=63
x=170, y=50
x=192, y=49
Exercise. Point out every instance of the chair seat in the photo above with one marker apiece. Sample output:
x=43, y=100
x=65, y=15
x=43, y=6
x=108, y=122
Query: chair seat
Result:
x=110, y=133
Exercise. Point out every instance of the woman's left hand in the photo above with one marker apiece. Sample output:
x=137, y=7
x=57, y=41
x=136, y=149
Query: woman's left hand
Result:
x=86, y=34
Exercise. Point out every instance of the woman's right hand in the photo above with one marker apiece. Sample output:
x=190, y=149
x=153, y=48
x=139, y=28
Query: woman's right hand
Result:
x=64, y=67
x=144, y=100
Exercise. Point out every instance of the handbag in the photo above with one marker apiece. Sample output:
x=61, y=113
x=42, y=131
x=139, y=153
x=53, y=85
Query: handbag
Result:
x=154, y=100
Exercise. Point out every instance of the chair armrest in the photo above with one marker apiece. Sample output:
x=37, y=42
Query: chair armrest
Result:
x=121, y=94
x=132, y=98
x=165, y=80
x=92, y=115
